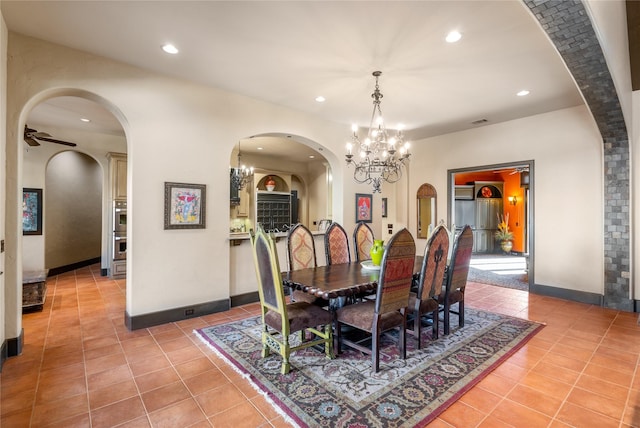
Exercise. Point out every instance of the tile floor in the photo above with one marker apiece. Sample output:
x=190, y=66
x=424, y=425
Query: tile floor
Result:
x=80, y=367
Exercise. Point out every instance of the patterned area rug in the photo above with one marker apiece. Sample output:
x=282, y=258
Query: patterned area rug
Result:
x=344, y=392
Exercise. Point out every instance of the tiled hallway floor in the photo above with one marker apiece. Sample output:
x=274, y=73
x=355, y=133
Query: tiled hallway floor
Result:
x=81, y=367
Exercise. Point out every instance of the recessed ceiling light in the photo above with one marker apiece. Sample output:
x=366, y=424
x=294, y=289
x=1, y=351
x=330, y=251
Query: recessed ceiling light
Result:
x=320, y=99
x=170, y=49
x=312, y=157
x=453, y=36
x=84, y=119
x=523, y=93
x=259, y=148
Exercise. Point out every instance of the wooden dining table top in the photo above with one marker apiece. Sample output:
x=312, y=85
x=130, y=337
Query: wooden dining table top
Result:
x=338, y=280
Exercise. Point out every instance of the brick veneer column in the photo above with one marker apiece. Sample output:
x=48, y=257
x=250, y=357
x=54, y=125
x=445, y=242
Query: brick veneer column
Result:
x=568, y=26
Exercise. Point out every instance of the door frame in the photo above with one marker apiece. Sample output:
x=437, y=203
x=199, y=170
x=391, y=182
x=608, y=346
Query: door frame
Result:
x=529, y=204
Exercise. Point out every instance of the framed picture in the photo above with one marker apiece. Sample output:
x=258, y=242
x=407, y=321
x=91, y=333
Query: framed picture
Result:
x=184, y=206
x=363, y=207
x=384, y=207
x=31, y=211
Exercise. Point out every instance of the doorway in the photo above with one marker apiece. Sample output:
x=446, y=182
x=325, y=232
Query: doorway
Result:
x=488, y=198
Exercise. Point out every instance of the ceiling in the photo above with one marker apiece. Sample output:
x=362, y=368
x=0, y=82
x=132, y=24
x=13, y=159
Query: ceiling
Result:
x=288, y=53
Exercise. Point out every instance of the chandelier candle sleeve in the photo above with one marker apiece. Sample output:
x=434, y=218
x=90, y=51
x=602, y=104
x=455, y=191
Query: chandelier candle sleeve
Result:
x=380, y=160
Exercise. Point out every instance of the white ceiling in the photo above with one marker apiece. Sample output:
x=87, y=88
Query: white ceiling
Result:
x=289, y=52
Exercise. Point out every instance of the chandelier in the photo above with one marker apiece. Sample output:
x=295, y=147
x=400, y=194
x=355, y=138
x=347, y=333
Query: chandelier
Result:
x=241, y=175
x=380, y=157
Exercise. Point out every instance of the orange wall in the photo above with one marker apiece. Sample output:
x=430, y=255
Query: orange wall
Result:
x=511, y=188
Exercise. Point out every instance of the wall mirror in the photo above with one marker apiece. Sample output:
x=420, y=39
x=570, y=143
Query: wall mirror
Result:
x=426, y=206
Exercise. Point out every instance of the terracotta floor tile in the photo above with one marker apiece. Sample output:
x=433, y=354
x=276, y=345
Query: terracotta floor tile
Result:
x=157, y=379
x=112, y=393
x=52, y=391
x=78, y=421
x=481, y=399
x=597, y=402
x=546, y=385
x=219, y=399
x=206, y=381
x=194, y=367
x=148, y=365
x=242, y=414
x=580, y=417
x=531, y=398
x=602, y=387
x=117, y=413
x=460, y=414
x=497, y=384
x=108, y=377
x=182, y=414
x=105, y=363
x=519, y=416
x=54, y=411
x=164, y=396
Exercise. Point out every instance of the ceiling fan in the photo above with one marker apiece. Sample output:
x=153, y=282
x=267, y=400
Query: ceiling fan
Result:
x=516, y=170
x=32, y=138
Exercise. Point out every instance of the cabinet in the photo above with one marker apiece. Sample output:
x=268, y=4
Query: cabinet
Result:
x=242, y=209
x=273, y=210
x=118, y=172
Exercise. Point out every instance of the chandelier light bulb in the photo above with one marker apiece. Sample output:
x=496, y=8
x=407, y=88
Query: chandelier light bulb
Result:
x=354, y=128
x=349, y=147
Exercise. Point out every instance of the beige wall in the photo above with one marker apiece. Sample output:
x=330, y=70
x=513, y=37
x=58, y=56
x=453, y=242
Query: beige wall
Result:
x=568, y=200
x=72, y=209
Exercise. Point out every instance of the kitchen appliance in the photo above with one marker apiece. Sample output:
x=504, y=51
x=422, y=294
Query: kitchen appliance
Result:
x=119, y=230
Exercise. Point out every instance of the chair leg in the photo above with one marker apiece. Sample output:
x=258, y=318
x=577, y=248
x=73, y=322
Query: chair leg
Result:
x=417, y=328
x=403, y=338
x=436, y=324
x=328, y=344
x=285, y=356
x=446, y=319
x=461, y=313
x=338, y=334
x=375, y=351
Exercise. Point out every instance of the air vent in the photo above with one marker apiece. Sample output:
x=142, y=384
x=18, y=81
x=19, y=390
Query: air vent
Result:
x=479, y=121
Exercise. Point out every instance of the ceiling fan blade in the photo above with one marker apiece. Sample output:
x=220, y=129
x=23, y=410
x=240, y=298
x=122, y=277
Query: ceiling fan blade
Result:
x=29, y=130
x=53, y=140
x=40, y=135
x=30, y=141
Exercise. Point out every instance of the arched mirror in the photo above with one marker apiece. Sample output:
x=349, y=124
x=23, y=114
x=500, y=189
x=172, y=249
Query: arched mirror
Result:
x=426, y=203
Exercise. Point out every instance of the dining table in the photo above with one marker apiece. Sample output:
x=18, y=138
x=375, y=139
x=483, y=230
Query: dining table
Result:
x=336, y=281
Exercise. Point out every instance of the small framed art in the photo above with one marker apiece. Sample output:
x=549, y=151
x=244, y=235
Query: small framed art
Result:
x=31, y=211
x=184, y=206
x=363, y=207
x=384, y=207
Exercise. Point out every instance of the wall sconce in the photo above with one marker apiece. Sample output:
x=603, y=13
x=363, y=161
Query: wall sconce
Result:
x=513, y=200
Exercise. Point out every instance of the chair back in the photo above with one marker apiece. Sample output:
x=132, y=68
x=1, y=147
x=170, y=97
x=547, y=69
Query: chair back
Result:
x=336, y=245
x=301, y=250
x=270, y=289
x=460, y=260
x=434, y=264
x=362, y=241
x=396, y=273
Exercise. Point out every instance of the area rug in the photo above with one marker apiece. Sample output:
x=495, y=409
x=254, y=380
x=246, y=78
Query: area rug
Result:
x=517, y=282
x=344, y=392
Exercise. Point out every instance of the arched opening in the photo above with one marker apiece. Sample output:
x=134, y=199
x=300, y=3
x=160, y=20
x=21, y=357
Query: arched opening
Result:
x=63, y=150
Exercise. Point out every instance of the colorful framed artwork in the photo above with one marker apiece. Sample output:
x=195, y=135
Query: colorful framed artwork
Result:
x=31, y=211
x=384, y=207
x=363, y=207
x=184, y=206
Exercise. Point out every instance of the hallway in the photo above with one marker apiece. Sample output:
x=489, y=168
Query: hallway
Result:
x=82, y=368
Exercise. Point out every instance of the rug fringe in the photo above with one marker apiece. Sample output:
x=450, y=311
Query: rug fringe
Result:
x=250, y=379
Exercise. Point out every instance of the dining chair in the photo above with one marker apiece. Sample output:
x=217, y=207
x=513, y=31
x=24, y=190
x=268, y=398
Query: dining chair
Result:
x=430, y=279
x=279, y=319
x=362, y=241
x=389, y=309
x=301, y=254
x=336, y=245
x=456, y=279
